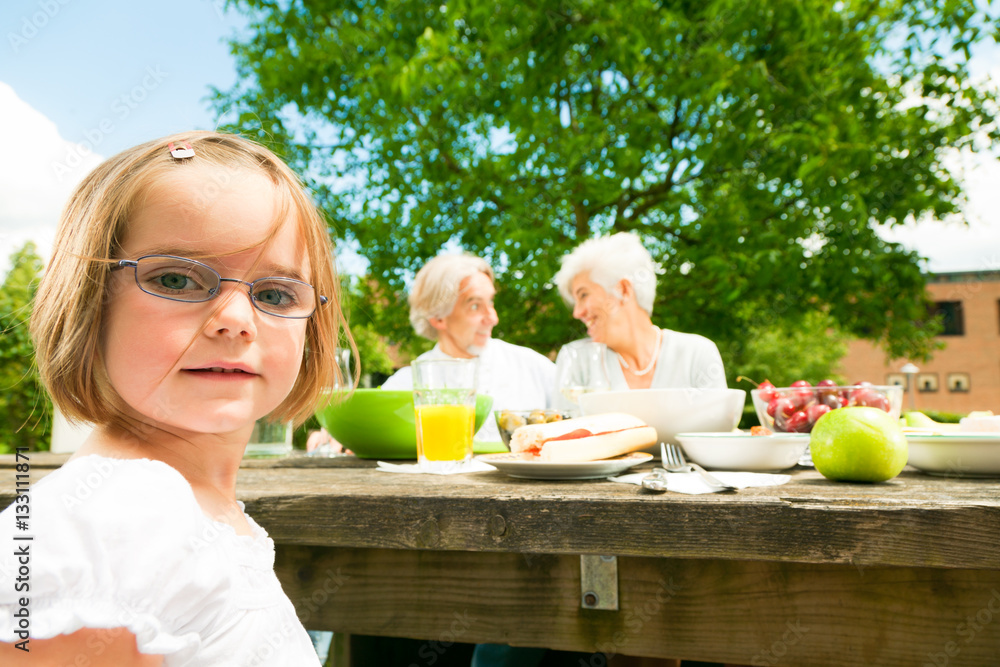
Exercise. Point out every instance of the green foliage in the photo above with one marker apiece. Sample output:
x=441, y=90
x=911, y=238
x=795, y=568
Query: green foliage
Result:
x=753, y=145
x=25, y=409
x=365, y=306
x=749, y=418
x=804, y=346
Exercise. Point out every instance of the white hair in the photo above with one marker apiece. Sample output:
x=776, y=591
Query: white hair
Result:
x=609, y=260
x=436, y=288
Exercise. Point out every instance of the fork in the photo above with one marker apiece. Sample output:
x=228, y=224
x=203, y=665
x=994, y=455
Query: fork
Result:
x=673, y=460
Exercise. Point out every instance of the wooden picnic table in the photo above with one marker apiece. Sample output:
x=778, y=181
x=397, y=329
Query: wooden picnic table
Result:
x=808, y=573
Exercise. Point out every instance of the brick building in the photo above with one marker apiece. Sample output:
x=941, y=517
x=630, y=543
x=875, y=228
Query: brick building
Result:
x=965, y=374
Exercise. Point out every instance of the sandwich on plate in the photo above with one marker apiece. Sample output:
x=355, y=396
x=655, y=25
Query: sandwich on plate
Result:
x=581, y=439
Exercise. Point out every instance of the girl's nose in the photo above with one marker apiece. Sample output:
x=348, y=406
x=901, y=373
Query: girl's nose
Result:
x=491, y=315
x=578, y=310
x=235, y=315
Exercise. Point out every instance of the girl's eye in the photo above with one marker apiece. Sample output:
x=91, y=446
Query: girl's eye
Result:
x=474, y=306
x=276, y=296
x=174, y=282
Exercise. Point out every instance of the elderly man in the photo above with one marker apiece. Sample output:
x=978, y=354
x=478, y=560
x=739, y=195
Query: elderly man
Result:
x=451, y=302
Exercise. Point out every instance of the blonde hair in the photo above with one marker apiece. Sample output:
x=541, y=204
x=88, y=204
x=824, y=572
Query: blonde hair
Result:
x=609, y=260
x=69, y=310
x=436, y=287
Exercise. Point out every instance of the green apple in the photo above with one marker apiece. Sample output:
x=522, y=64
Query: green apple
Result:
x=858, y=444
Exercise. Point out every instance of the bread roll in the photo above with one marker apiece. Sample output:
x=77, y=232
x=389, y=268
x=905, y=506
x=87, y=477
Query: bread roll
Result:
x=581, y=439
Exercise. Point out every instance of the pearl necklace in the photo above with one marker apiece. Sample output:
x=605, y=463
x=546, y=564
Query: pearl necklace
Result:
x=652, y=362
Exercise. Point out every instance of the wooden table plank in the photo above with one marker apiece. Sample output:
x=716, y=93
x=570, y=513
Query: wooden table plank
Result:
x=915, y=520
x=743, y=612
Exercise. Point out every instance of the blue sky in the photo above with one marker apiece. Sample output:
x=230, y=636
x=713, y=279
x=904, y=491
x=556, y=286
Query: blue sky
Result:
x=83, y=79
x=145, y=66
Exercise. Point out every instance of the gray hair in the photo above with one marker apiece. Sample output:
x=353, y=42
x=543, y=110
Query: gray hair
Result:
x=609, y=260
x=436, y=287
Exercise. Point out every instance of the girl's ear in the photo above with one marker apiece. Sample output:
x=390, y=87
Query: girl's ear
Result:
x=438, y=323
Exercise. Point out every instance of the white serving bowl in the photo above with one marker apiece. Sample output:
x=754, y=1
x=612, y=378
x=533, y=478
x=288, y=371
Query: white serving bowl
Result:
x=672, y=411
x=742, y=451
x=955, y=454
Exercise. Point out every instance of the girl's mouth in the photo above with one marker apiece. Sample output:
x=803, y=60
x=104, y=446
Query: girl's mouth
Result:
x=219, y=370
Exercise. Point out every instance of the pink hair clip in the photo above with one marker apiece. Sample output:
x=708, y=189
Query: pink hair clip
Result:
x=182, y=152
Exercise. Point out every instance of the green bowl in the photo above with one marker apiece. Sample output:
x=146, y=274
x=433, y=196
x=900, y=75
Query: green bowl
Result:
x=379, y=423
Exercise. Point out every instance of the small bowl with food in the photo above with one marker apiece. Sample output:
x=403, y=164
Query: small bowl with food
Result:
x=509, y=421
x=757, y=450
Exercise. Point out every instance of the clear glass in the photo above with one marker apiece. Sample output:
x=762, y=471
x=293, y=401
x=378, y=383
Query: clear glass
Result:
x=444, y=404
x=321, y=443
x=187, y=280
x=344, y=364
x=269, y=440
x=583, y=372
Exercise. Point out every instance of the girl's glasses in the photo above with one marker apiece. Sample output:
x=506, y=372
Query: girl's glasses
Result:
x=182, y=279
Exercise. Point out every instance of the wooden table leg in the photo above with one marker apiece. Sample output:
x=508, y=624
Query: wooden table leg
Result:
x=340, y=651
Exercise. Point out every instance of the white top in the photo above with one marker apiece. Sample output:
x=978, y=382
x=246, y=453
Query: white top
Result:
x=124, y=543
x=518, y=378
x=686, y=360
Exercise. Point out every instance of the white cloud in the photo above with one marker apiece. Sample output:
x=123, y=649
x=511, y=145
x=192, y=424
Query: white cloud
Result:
x=950, y=245
x=38, y=171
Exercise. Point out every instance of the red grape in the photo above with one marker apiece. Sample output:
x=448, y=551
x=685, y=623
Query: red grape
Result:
x=802, y=390
x=825, y=388
x=780, y=406
x=834, y=401
x=798, y=423
x=817, y=411
x=863, y=397
x=766, y=391
x=870, y=398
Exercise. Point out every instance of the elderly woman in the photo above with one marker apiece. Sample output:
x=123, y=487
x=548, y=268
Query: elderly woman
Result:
x=610, y=283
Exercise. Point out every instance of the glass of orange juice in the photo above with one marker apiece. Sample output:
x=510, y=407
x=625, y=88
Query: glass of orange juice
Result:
x=444, y=401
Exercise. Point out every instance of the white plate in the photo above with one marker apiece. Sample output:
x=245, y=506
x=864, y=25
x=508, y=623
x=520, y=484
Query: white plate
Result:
x=515, y=466
x=956, y=454
x=741, y=451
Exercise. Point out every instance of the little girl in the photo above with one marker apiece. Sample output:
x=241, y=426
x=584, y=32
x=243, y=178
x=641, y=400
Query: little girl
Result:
x=191, y=292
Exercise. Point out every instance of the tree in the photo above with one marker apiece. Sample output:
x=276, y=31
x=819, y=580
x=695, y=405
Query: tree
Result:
x=753, y=146
x=784, y=352
x=364, y=308
x=25, y=408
